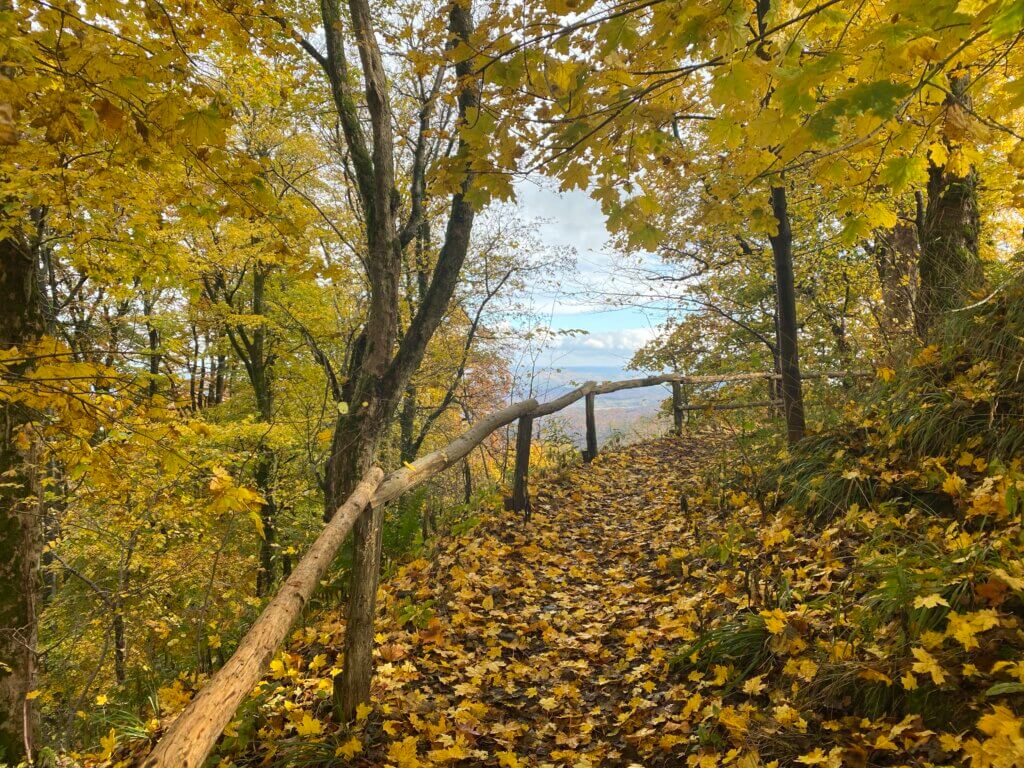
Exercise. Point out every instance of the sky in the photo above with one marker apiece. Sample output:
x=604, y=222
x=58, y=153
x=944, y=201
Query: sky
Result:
x=585, y=294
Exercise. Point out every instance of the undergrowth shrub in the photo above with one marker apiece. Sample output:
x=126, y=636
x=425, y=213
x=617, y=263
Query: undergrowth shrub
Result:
x=898, y=534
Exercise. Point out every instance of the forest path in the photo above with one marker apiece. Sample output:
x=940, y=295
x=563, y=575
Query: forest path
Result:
x=547, y=643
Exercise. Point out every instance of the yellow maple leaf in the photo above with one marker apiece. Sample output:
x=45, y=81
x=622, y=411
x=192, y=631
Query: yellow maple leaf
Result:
x=108, y=744
x=309, y=726
x=403, y=753
x=349, y=748
x=964, y=627
x=754, y=685
x=927, y=664
x=954, y=485
x=814, y=757
x=930, y=601
x=774, y=621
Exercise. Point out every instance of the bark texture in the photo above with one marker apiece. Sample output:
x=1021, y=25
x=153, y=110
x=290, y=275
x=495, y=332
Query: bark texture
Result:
x=950, y=269
x=896, y=254
x=21, y=323
x=785, y=290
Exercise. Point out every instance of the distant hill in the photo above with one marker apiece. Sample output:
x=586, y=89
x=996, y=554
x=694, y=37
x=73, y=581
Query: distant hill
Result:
x=629, y=414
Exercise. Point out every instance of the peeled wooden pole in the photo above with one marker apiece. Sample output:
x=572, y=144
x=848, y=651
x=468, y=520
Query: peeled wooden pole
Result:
x=728, y=406
x=192, y=736
x=416, y=472
x=591, y=452
x=606, y=387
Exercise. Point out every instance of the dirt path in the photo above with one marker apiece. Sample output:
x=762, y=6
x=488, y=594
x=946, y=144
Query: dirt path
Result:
x=546, y=644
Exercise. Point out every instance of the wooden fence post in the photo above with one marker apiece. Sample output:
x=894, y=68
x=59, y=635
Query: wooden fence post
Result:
x=520, y=491
x=677, y=407
x=590, y=453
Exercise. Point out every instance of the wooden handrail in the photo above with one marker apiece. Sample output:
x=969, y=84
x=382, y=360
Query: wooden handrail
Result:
x=191, y=737
x=590, y=389
x=414, y=473
x=607, y=387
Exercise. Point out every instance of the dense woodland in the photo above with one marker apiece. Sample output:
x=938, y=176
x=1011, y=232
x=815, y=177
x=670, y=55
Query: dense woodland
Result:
x=252, y=251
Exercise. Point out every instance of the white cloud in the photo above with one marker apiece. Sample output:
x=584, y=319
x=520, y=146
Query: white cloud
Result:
x=604, y=347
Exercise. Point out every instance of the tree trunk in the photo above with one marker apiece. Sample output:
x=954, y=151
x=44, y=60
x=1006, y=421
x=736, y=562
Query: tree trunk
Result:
x=521, y=478
x=154, y=345
x=263, y=477
x=21, y=323
x=950, y=270
x=378, y=372
x=896, y=254
x=354, y=450
x=785, y=293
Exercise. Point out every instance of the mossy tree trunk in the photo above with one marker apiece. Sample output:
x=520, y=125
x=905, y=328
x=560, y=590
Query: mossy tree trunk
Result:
x=949, y=270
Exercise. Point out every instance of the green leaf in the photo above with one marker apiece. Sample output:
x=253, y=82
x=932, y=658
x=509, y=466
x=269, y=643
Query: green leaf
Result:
x=203, y=127
x=1010, y=20
x=1001, y=689
x=901, y=173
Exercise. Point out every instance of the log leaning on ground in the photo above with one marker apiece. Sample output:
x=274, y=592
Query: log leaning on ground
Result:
x=192, y=736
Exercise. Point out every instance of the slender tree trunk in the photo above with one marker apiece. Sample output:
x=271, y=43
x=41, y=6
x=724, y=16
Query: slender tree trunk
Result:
x=217, y=393
x=120, y=645
x=263, y=477
x=378, y=372
x=154, y=345
x=950, y=270
x=785, y=292
x=21, y=324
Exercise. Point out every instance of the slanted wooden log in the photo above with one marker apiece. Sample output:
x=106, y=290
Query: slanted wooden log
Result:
x=591, y=450
x=191, y=737
x=520, y=491
x=411, y=475
x=553, y=406
x=606, y=387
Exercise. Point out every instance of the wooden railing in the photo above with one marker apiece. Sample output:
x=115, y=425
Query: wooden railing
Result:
x=191, y=738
